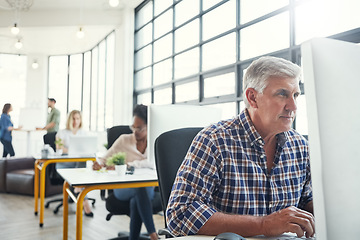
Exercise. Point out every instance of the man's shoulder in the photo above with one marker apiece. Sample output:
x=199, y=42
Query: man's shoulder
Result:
x=295, y=137
x=56, y=111
x=224, y=127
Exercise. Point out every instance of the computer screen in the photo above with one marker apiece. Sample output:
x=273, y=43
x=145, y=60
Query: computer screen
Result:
x=163, y=118
x=331, y=72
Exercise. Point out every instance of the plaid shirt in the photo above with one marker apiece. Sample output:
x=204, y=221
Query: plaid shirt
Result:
x=225, y=170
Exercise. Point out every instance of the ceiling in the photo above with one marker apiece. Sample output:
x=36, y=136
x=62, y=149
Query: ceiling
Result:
x=49, y=27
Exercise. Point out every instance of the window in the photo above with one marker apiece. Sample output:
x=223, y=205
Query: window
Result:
x=183, y=39
x=163, y=96
x=86, y=91
x=13, y=80
x=252, y=9
x=313, y=19
x=58, y=84
x=84, y=82
x=219, y=52
x=162, y=48
x=163, y=24
x=187, y=63
x=219, y=85
x=162, y=72
x=263, y=38
x=187, y=92
x=185, y=10
x=201, y=48
x=75, y=81
x=219, y=20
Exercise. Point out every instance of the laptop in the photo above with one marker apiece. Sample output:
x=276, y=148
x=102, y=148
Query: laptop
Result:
x=82, y=145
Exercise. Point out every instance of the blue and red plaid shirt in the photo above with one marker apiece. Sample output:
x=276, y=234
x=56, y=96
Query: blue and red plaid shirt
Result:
x=225, y=170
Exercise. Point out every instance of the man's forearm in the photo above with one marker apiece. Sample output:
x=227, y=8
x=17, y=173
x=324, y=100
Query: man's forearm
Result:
x=290, y=219
x=50, y=125
x=244, y=225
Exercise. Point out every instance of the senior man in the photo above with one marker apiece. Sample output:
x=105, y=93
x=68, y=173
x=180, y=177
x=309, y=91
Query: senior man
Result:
x=251, y=174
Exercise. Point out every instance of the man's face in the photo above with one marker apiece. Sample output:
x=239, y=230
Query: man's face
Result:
x=49, y=103
x=276, y=106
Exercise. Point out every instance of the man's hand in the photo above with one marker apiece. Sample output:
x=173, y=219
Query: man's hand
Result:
x=96, y=166
x=290, y=219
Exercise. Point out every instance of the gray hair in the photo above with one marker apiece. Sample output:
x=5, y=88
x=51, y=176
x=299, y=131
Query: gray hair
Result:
x=260, y=70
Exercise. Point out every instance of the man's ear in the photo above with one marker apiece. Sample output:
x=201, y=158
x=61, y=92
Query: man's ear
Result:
x=251, y=94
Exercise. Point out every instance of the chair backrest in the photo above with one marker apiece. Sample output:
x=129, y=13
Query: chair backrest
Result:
x=170, y=150
x=49, y=138
x=114, y=132
x=55, y=178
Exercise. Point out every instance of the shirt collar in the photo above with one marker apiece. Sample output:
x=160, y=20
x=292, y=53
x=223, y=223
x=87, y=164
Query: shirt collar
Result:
x=249, y=128
x=254, y=135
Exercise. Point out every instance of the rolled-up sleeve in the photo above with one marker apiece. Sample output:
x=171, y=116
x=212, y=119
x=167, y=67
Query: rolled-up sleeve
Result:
x=190, y=203
x=306, y=195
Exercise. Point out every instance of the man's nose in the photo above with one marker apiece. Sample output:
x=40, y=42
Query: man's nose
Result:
x=291, y=104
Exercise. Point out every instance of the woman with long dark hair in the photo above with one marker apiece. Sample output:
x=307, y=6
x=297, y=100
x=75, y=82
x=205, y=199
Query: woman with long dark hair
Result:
x=6, y=128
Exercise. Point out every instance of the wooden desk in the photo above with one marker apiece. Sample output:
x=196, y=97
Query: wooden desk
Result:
x=40, y=169
x=92, y=180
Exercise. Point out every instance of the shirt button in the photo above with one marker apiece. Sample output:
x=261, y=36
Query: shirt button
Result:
x=262, y=156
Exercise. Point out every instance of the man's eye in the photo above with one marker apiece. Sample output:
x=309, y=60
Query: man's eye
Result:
x=284, y=94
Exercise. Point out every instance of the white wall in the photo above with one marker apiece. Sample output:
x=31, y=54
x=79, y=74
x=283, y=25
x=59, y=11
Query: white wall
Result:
x=124, y=65
x=36, y=97
x=36, y=89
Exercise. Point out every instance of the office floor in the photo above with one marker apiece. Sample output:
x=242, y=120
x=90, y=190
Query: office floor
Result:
x=17, y=220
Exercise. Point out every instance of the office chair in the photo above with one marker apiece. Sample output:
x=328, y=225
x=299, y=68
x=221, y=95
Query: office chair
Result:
x=170, y=150
x=114, y=133
x=55, y=178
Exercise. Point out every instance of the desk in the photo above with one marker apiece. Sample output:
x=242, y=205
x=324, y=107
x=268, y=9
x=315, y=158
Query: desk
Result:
x=92, y=180
x=285, y=236
x=40, y=168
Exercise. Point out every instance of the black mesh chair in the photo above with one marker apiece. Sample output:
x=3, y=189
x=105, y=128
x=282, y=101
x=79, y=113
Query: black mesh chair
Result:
x=55, y=178
x=115, y=206
x=170, y=150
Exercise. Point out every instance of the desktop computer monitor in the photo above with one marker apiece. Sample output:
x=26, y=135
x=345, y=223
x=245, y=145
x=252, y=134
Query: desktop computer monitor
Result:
x=163, y=118
x=331, y=72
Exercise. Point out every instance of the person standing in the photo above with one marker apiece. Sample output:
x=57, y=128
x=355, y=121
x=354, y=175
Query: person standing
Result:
x=6, y=128
x=53, y=119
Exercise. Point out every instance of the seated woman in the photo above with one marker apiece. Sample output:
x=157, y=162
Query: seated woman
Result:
x=73, y=128
x=134, y=145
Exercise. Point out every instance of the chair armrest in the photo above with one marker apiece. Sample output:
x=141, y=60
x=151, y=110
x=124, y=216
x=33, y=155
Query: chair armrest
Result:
x=165, y=232
x=19, y=163
x=3, y=175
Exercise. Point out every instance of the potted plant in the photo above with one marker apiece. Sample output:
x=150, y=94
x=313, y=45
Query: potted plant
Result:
x=59, y=144
x=117, y=160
